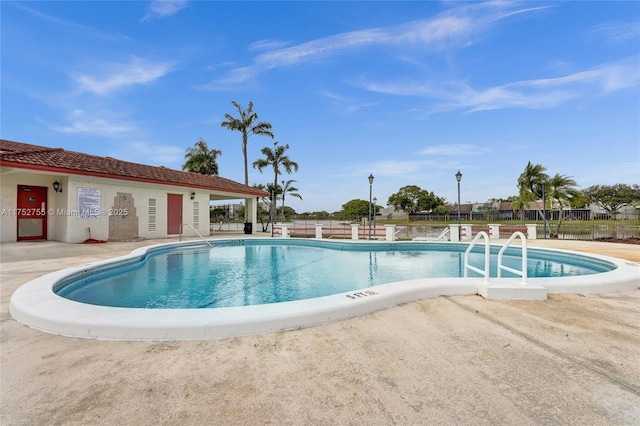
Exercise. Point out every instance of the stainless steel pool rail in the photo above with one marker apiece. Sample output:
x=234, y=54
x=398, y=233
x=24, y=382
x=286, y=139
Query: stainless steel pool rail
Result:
x=523, y=272
x=487, y=256
x=194, y=230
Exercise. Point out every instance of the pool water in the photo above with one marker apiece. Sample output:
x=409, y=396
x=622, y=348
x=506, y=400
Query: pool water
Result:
x=260, y=273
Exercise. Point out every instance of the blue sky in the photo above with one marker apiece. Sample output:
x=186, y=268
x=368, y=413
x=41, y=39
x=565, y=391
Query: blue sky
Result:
x=411, y=92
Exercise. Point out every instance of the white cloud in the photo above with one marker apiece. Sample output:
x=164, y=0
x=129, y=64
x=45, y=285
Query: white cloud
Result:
x=95, y=126
x=267, y=44
x=453, y=27
x=121, y=75
x=534, y=94
x=617, y=32
x=344, y=104
x=164, y=8
x=69, y=25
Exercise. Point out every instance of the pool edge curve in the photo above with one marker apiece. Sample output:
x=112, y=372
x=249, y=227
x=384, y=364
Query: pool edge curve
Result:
x=35, y=305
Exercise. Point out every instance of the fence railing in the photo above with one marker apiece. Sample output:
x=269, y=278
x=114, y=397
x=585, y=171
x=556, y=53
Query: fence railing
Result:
x=569, y=229
x=579, y=230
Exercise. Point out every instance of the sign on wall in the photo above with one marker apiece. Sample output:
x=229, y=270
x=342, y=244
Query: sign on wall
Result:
x=89, y=203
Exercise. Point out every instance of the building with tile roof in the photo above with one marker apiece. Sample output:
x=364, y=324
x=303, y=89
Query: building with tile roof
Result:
x=55, y=194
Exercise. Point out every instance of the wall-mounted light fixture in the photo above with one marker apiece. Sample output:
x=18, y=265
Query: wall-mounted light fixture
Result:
x=193, y=195
x=57, y=186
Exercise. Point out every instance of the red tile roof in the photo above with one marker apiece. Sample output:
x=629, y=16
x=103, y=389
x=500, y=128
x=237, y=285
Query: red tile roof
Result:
x=34, y=157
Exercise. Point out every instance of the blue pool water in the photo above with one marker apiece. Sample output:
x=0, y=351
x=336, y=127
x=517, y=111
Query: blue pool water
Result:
x=256, y=272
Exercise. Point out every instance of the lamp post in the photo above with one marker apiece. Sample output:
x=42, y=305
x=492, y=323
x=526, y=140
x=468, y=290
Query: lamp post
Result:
x=458, y=178
x=271, y=212
x=370, y=193
x=544, y=211
x=375, y=201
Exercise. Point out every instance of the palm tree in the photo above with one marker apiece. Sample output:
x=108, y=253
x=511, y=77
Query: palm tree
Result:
x=562, y=190
x=519, y=205
x=268, y=203
x=532, y=183
x=201, y=159
x=287, y=188
x=275, y=158
x=248, y=125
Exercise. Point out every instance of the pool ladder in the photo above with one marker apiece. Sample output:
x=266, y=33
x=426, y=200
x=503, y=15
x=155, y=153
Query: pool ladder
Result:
x=487, y=255
x=194, y=230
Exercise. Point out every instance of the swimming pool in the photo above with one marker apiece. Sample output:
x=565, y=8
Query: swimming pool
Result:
x=257, y=272
x=37, y=305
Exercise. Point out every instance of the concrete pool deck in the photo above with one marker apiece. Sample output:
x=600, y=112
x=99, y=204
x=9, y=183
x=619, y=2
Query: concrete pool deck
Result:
x=571, y=359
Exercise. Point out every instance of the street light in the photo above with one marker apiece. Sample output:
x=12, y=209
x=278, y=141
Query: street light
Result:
x=458, y=178
x=375, y=201
x=370, y=193
x=272, y=215
x=544, y=211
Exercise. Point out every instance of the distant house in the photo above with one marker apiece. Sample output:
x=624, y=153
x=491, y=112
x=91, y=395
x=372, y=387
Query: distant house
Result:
x=54, y=194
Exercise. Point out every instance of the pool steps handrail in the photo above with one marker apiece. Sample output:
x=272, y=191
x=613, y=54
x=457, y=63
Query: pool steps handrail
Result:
x=194, y=230
x=487, y=253
x=523, y=272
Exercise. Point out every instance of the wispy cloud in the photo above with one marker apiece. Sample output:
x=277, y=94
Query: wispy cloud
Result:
x=535, y=94
x=121, y=75
x=345, y=104
x=164, y=8
x=118, y=128
x=80, y=121
x=451, y=28
x=68, y=25
x=617, y=32
x=267, y=44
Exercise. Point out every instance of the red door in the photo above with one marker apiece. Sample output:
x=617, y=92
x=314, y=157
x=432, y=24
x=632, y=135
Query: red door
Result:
x=32, y=212
x=174, y=213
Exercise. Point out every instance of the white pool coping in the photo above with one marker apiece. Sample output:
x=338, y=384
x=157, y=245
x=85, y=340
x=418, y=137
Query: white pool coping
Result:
x=36, y=305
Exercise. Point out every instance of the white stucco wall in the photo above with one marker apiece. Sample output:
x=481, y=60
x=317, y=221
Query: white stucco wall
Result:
x=63, y=223
x=9, y=200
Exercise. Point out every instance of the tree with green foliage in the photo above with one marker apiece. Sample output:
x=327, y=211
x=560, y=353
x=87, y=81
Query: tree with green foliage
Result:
x=285, y=212
x=532, y=184
x=200, y=159
x=247, y=124
x=519, y=204
x=355, y=209
x=442, y=210
x=276, y=159
x=413, y=199
x=579, y=201
x=218, y=213
x=562, y=190
x=315, y=215
x=287, y=188
x=613, y=197
x=265, y=213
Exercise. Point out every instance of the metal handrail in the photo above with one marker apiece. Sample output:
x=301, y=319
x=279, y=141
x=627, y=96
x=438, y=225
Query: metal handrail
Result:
x=487, y=254
x=194, y=230
x=523, y=272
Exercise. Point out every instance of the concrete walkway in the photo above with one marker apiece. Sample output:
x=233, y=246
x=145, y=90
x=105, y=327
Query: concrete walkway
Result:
x=571, y=359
